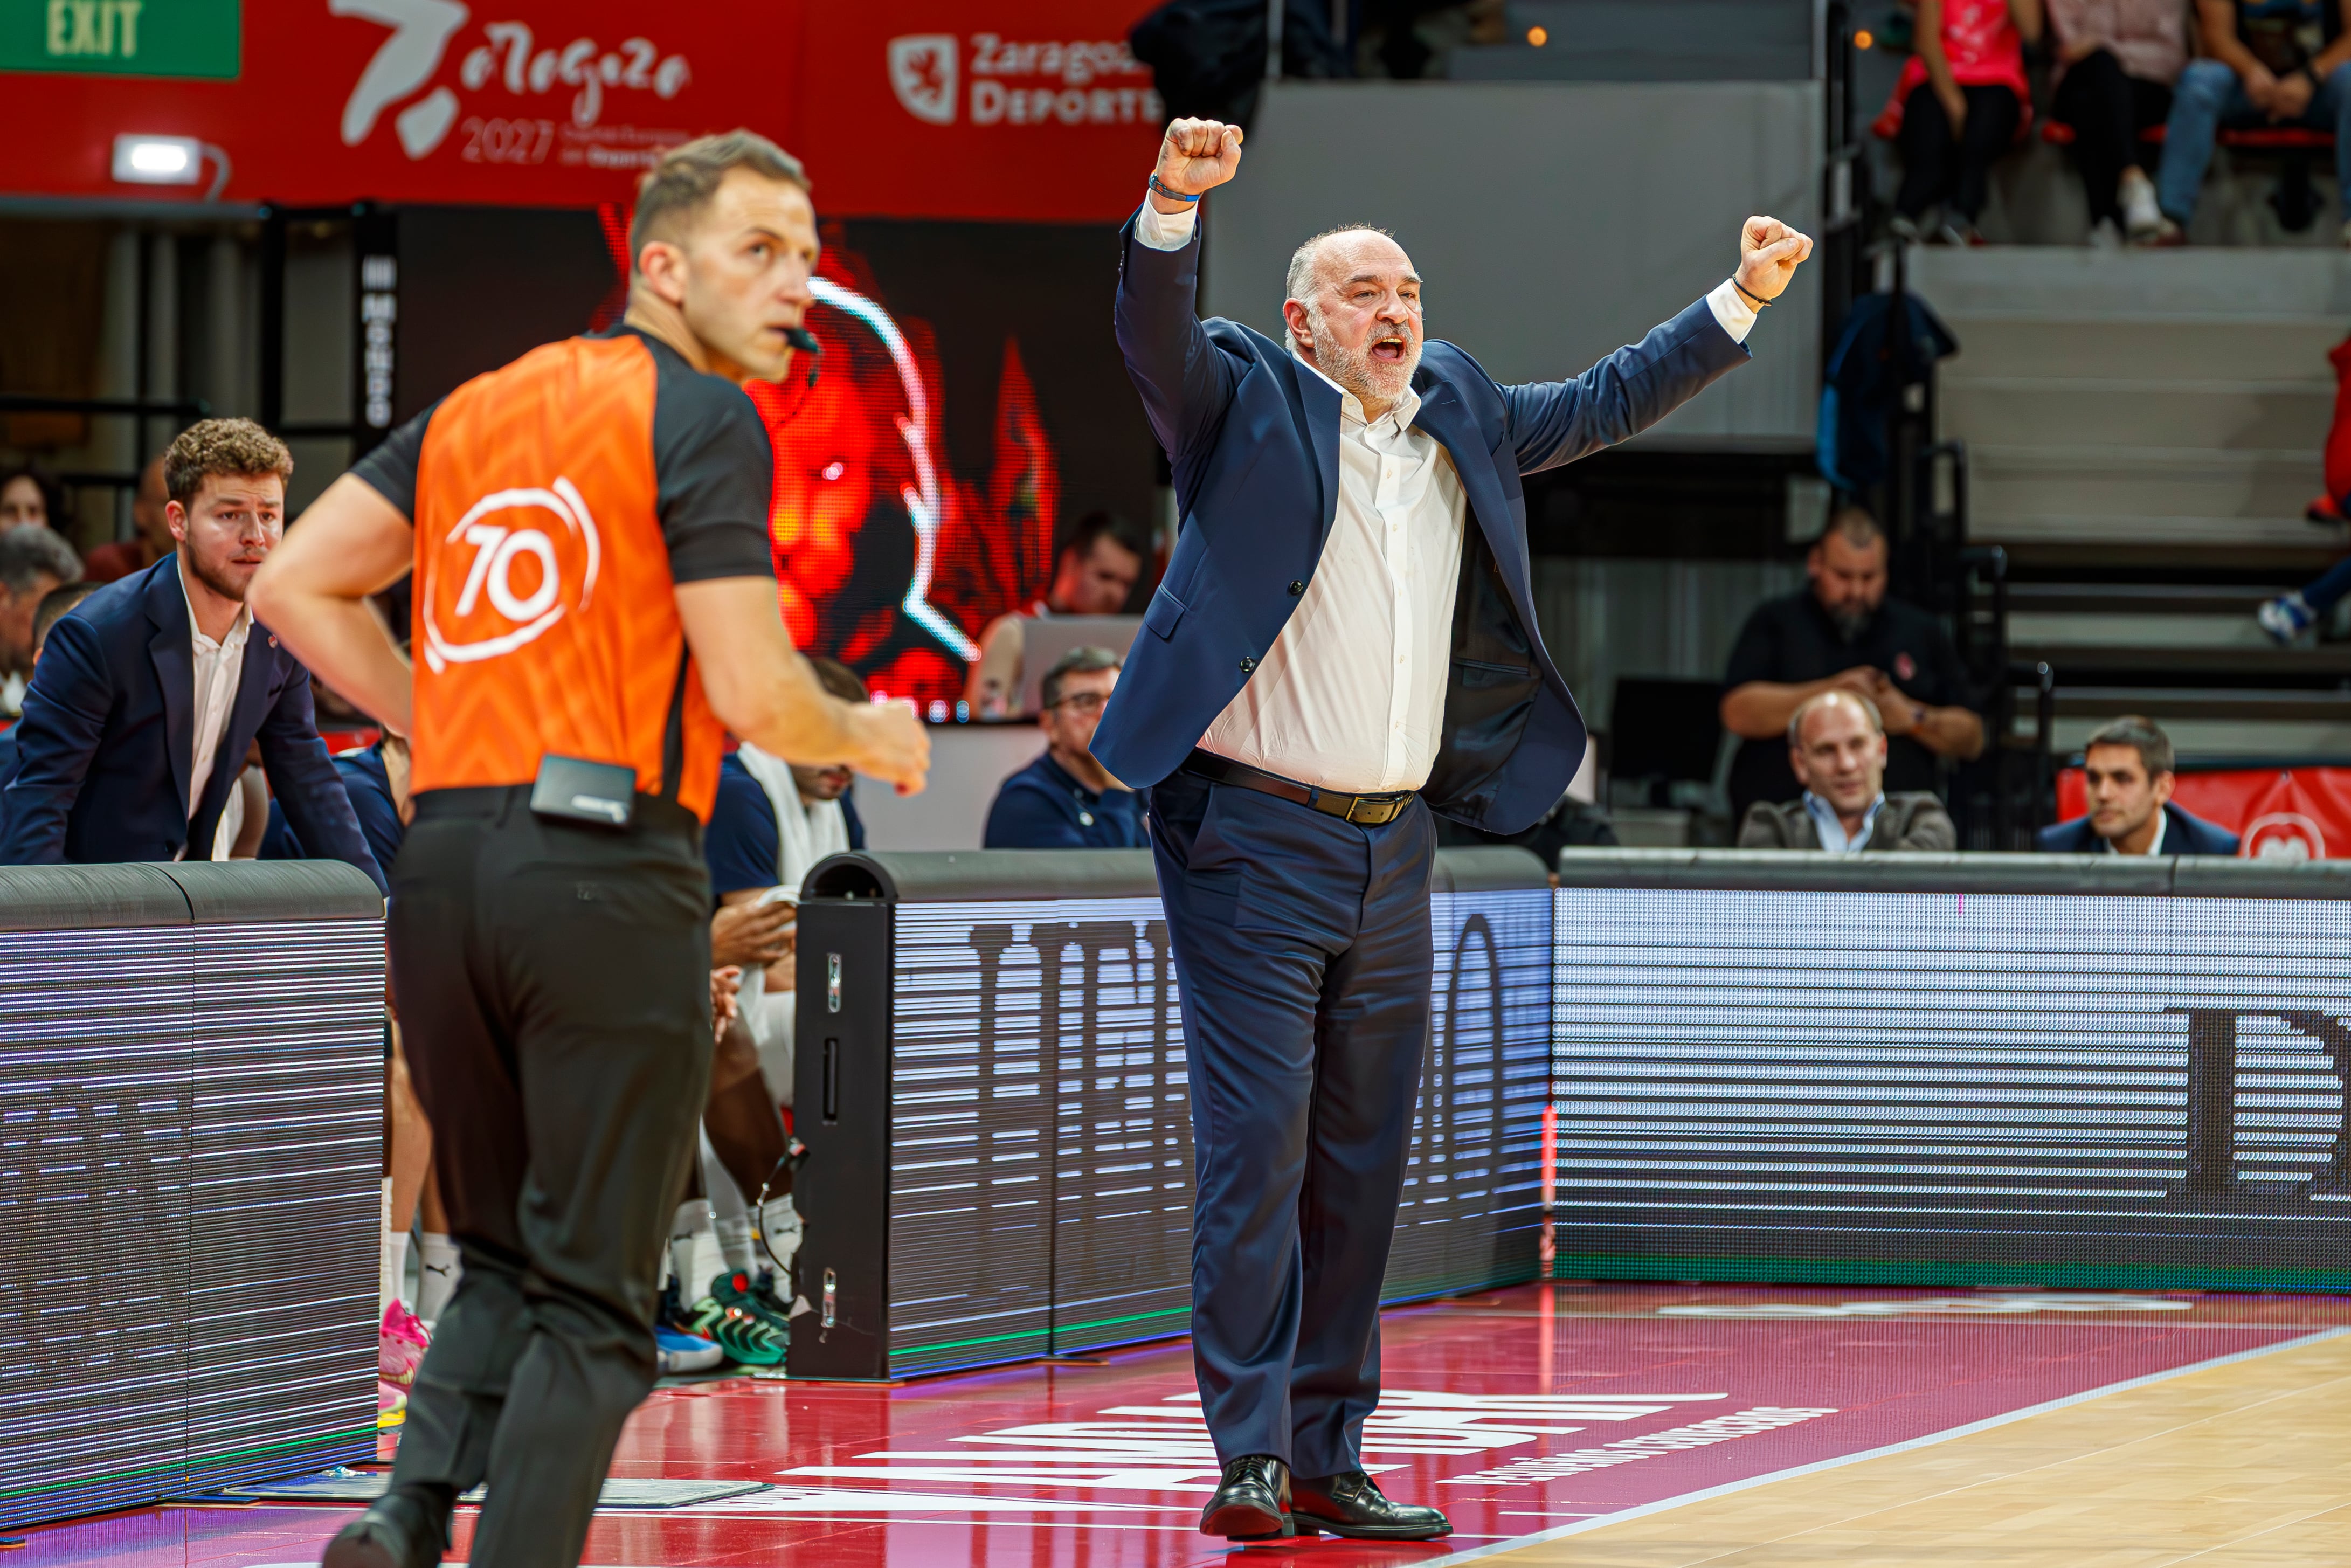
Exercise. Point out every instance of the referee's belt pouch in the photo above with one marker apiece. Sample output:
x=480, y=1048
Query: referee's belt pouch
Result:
x=574, y=789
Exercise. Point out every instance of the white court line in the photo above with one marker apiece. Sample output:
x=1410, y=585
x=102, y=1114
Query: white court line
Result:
x=1928, y=1440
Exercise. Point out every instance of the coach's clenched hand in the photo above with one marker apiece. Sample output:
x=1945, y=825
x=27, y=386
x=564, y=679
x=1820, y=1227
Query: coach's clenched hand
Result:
x=1196, y=155
x=1769, y=252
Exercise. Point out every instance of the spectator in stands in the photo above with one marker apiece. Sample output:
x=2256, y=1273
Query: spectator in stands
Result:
x=58, y=600
x=34, y=563
x=30, y=499
x=152, y=691
x=2271, y=62
x=2117, y=60
x=149, y=543
x=1094, y=574
x=1963, y=96
x=1836, y=746
x=2126, y=773
x=1065, y=800
x=1843, y=634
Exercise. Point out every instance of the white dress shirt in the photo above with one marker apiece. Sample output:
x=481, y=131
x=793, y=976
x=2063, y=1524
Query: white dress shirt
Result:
x=219, y=667
x=1831, y=827
x=1351, y=697
x=2162, y=826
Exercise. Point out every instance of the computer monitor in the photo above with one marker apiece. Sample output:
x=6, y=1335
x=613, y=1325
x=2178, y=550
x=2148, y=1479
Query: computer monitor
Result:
x=1045, y=638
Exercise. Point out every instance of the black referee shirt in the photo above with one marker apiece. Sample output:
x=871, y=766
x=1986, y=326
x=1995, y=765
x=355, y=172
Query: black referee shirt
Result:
x=1791, y=641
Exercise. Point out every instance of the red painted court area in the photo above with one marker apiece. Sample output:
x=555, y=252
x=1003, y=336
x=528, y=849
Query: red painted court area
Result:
x=1520, y=1413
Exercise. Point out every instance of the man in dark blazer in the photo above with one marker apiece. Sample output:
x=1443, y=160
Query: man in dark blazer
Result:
x=2126, y=772
x=1344, y=643
x=149, y=696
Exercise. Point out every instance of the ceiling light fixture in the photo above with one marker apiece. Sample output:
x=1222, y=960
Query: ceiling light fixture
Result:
x=168, y=160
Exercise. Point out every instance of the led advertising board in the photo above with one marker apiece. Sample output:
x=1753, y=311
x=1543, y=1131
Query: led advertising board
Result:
x=1015, y=1068
x=190, y=1120
x=1954, y=1087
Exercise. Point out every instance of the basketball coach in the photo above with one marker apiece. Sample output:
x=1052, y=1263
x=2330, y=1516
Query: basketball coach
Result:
x=1344, y=644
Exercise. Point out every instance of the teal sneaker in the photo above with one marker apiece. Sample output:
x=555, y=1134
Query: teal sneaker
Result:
x=747, y=1327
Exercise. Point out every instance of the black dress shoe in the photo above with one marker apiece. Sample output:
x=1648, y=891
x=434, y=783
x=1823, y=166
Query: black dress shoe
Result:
x=407, y=1527
x=1251, y=1504
x=1352, y=1504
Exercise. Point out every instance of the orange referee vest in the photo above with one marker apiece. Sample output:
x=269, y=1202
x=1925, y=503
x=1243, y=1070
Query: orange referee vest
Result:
x=545, y=619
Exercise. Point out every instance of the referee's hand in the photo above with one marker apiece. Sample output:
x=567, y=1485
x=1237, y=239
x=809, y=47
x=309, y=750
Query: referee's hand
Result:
x=896, y=748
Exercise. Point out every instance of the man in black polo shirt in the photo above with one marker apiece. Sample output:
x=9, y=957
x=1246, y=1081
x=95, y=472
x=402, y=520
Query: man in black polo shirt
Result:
x=1844, y=633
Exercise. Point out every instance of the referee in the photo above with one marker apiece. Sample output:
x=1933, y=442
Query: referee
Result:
x=594, y=607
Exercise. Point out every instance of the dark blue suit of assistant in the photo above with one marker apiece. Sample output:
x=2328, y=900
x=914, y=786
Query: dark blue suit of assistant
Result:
x=109, y=734
x=1301, y=941
x=2184, y=833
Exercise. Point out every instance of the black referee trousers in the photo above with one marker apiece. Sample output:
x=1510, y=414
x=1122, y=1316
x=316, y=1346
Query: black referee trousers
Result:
x=554, y=992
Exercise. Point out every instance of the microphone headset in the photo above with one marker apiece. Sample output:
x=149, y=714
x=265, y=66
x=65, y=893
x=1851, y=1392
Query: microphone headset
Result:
x=801, y=338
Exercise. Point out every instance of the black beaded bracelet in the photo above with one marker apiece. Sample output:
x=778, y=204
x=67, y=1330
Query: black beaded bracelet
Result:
x=1759, y=302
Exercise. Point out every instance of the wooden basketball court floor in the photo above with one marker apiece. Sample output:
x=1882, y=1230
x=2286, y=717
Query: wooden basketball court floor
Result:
x=1611, y=1426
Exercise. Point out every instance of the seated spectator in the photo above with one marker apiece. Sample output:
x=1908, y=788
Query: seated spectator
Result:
x=150, y=691
x=1843, y=634
x=149, y=543
x=57, y=602
x=1065, y=800
x=2126, y=773
x=1963, y=96
x=1093, y=575
x=2116, y=61
x=1837, y=745
x=2272, y=62
x=30, y=499
x=34, y=564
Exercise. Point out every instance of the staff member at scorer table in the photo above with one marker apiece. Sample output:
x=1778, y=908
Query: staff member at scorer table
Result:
x=1344, y=642
x=594, y=607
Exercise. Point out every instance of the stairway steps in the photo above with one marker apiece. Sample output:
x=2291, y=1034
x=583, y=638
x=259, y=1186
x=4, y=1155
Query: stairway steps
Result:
x=2228, y=416
x=2196, y=599
x=2150, y=349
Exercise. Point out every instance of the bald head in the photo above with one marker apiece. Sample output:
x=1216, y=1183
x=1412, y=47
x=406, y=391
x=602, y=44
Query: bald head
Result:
x=1836, y=746
x=1353, y=312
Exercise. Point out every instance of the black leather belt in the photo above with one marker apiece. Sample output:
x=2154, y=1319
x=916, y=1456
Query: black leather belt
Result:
x=1364, y=810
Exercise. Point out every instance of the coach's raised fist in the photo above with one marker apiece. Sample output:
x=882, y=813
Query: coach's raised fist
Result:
x=1769, y=254
x=1196, y=155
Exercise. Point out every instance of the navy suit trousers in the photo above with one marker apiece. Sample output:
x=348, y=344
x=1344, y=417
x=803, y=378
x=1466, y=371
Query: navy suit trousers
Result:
x=1302, y=948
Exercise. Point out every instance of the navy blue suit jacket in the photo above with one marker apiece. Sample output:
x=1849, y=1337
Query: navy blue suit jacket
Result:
x=2184, y=833
x=109, y=736
x=1253, y=437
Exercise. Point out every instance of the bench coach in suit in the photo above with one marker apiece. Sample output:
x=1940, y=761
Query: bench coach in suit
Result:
x=149, y=692
x=1344, y=643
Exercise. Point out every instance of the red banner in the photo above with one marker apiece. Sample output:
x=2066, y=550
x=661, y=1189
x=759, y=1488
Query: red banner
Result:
x=1029, y=110
x=2294, y=813
x=943, y=109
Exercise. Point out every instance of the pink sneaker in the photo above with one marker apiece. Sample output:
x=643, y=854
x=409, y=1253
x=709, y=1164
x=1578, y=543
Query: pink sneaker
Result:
x=399, y=1345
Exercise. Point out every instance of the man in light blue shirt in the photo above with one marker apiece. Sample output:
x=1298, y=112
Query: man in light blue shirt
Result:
x=1836, y=745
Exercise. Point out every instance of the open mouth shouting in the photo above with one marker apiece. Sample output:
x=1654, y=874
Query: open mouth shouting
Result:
x=1391, y=348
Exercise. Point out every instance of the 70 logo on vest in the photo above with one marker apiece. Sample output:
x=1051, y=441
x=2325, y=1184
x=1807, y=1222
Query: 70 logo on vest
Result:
x=499, y=541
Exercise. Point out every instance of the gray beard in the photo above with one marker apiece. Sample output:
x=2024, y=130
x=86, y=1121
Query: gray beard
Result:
x=1370, y=380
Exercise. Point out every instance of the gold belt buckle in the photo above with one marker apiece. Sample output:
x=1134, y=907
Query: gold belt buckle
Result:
x=1381, y=811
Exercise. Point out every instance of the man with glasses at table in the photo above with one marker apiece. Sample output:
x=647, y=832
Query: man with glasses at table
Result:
x=1065, y=800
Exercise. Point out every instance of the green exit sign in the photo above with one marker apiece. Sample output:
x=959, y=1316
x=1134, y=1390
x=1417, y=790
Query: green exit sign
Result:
x=121, y=38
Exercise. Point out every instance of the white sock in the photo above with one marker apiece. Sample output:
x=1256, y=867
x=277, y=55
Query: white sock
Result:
x=395, y=1284
x=692, y=1216
x=735, y=1244
x=779, y=1222
x=438, y=1270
